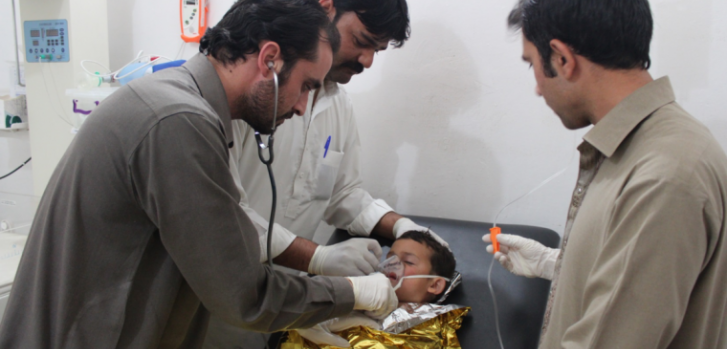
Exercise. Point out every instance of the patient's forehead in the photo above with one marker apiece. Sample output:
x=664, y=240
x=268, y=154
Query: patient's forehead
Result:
x=410, y=249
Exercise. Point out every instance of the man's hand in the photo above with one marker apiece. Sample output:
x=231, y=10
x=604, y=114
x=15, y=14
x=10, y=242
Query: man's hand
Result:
x=353, y=257
x=374, y=294
x=524, y=257
x=404, y=225
x=323, y=332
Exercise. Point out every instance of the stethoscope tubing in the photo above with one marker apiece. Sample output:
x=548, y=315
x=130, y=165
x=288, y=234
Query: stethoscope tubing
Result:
x=268, y=163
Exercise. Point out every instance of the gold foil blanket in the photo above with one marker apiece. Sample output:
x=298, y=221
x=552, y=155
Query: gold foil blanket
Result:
x=435, y=328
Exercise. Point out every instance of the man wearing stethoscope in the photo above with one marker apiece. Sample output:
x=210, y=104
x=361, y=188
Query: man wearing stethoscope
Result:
x=317, y=164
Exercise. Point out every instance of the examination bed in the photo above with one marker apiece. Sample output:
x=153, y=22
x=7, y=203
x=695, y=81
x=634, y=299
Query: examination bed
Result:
x=521, y=301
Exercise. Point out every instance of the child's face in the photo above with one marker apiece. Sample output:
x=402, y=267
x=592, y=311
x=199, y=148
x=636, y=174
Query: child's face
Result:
x=416, y=258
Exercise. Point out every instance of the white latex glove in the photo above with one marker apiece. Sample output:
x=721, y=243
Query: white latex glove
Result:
x=374, y=294
x=323, y=332
x=404, y=225
x=524, y=257
x=353, y=257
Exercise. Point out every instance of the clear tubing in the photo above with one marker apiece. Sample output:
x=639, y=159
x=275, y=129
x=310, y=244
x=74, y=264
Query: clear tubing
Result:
x=114, y=74
x=50, y=100
x=398, y=285
x=494, y=224
x=494, y=303
x=392, y=268
x=548, y=180
x=17, y=51
x=143, y=66
x=180, y=52
x=83, y=66
x=16, y=228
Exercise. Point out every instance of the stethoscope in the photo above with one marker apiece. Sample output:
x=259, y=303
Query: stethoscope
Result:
x=269, y=161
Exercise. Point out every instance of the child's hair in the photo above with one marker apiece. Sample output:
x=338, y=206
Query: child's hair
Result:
x=442, y=259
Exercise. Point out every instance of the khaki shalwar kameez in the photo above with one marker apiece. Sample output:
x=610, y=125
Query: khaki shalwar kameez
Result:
x=644, y=256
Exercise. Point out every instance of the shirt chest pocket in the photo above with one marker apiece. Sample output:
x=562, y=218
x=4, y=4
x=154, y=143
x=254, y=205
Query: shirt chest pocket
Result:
x=326, y=173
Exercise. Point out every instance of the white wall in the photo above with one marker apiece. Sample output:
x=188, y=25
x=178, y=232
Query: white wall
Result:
x=450, y=124
x=7, y=44
x=152, y=26
x=49, y=109
x=16, y=201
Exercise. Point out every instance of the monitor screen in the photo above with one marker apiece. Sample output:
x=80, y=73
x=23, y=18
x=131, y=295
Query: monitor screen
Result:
x=51, y=32
x=191, y=2
x=34, y=33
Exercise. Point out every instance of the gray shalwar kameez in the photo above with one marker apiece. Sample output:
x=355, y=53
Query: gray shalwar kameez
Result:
x=139, y=234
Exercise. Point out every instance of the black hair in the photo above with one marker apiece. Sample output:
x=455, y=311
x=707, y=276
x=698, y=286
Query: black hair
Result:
x=385, y=19
x=442, y=259
x=295, y=25
x=615, y=34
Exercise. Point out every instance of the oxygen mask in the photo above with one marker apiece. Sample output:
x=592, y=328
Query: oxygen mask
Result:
x=393, y=268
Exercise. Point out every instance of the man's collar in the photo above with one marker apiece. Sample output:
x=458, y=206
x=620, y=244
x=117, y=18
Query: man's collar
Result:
x=610, y=132
x=329, y=88
x=321, y=101
x=212, y=91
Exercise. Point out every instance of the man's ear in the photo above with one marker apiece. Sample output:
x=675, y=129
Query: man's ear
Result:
x=269, y=53
x=437, y=287
x=563, y=59
x=329, y=8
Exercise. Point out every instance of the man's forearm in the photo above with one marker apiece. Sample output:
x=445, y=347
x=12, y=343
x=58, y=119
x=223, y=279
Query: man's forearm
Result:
x=298, y=255
x=385, y=226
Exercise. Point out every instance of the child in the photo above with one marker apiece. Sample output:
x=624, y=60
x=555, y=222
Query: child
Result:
x=420, y=255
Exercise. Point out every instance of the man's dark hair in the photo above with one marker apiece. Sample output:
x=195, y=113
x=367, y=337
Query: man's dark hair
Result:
x=385, y=19
x=295, y=25
x=615, y=34
x=442, y=259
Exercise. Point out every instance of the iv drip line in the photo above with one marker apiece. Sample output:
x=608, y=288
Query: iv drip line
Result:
x=494, y=225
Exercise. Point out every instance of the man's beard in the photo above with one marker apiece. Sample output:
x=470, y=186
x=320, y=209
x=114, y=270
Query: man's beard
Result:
x=343, y=72
x=256, y=108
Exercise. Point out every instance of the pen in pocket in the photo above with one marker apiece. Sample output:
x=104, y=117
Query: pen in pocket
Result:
x=328, y=143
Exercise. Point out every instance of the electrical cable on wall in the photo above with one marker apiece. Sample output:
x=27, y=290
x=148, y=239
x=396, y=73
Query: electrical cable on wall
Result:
x=16, y=170
x=60, y=114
